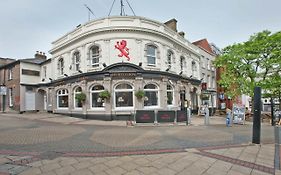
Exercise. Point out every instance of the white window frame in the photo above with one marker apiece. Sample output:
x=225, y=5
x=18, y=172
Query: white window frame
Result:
x=124, y=90
x=95, y=56
x=152, y=56
x=74, y=97
x=61, y=66
x=152, y=90
x=11, y=100
x=65, y=94
x=182, y=63
x=173, y=95
x=76, y=60
x=10, y=74
x=91, y=98
x=170, y=55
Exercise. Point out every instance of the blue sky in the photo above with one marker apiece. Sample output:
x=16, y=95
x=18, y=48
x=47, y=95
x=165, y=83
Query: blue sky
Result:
x=31, y=25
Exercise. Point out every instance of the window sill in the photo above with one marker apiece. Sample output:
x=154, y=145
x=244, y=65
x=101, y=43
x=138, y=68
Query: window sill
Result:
x=96, y=109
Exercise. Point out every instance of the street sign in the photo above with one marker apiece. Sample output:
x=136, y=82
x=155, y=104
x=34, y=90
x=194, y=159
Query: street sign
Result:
x=3, y=90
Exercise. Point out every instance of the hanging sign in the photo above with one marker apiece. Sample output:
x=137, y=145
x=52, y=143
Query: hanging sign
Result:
x=124, y=50
x=3, y=90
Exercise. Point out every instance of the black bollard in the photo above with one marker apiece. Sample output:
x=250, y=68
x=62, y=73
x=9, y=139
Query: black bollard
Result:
x=257, y=116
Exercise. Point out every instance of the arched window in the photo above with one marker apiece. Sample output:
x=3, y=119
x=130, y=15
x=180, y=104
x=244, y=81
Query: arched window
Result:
x=61, y=66
x=77, y=103
x=124, y=95
x=170, y=95
x=151, y=95
x=182, y=63
x=62, y=98
x=96, y=101
x=76, y=60
x=95, y=56
x=151, y=55
x=170, y=56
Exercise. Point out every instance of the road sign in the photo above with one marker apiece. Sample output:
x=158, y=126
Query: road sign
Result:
x=3, y=90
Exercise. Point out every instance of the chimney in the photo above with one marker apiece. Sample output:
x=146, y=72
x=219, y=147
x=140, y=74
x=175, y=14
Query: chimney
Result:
x=182, y=34
x=40, y=55
x=172, y=24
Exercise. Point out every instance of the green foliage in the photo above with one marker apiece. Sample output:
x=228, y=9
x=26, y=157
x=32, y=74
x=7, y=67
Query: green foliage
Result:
x=81, y=97
x=204, y=96
x=256, y=62
x=139, y=94
x=104, y=94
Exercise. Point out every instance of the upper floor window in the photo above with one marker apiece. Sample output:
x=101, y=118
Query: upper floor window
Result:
x=44, y=71
x=203, y=62
x=61, y=66
x=182, y=63
x=151, y=55
x=10, y=74
x=193, y=66
x=95, y=56
x=76, y=60
x=170, y=55
x=208, y=64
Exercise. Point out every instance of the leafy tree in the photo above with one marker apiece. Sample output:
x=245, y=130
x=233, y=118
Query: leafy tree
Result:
x=256, y=62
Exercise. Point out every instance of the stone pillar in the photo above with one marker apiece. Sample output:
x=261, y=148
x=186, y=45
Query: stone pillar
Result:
x=138, y=86
x=108, y=102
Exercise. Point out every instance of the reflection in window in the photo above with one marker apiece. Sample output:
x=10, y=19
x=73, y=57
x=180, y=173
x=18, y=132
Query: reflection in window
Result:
x=62, y=96
x=97, y=102
x=151, y=95
x=124, y=95
x=77, y=103
x=170, y=95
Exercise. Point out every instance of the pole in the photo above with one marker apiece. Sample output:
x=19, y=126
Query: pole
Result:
x=257, y=116
x=272, y=112
x=3, y=106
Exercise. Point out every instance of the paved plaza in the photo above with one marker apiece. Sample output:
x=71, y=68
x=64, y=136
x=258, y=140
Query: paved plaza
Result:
x=41, y=143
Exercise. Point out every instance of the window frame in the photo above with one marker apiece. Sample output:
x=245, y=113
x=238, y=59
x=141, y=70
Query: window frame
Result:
x=170, y=55
x=94, y=56
x=60, y=95
x=76, y=55
x=151, y=56
x=61, y=66
x=173, y=95
x=124, y=90
x=75, y=92
x=91, y=97
x=152, y=90
x=11, y=99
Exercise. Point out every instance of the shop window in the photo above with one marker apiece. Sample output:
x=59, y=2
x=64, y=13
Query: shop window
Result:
x=95, y=56
x=96, y=101
x=76, y=60
x=151, y=95
x=61, y=66
x=151, y=55
x=170, y=95
x=124, y=95
x=77, y=103
x=62, y=96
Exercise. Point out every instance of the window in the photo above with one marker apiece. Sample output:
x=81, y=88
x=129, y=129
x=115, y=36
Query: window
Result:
x=203, y=77
x=169, y=58
x=77, y=104
x=208, y=64
x=124, y=95
x=76, y=61
x=62, y=96
x=209, y=81
x=95, y=55
x=193, y=66
x=151, y=95
x=182, y=62
x=151, y=55
x=11, y=99
x=10, y=74
x=203, y=61
x=96, y=101
x=44, y=72
x=170, y=95
x=61, y=66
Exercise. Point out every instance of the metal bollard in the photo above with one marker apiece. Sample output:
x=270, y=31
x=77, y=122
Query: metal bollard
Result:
x=207, y=117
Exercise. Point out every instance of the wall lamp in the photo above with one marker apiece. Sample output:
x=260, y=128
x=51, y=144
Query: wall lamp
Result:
x=80, y=71
x=190, y=76
x=140, y=64
x=201, y=79
x=43, y=79
x=180, y=72
x=104, y=65
x=168, y=68
x=65, y=75
x=50, y=79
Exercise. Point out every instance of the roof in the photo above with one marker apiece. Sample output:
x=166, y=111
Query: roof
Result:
x=37, y=61
x=204, y=44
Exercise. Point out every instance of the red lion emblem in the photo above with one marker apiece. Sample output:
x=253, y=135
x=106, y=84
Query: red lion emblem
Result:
x=124, y=50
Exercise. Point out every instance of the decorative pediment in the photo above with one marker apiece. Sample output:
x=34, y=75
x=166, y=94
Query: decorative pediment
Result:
x=123, y=67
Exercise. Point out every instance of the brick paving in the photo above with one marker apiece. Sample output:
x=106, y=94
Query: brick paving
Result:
x=54, y=144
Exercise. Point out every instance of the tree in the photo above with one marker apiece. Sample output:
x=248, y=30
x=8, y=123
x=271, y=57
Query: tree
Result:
x=256, y=62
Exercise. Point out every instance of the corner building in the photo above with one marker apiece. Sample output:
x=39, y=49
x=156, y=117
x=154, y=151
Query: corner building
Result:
x=123, y=55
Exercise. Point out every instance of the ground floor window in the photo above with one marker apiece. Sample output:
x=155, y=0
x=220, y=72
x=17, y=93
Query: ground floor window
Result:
x=96, y=101
x=77, y=103
x=170, y=95
x=151, y=95
x=124, y=95
x=62, y=96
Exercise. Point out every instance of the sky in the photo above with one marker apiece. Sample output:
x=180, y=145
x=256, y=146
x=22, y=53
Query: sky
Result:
x=28, y=26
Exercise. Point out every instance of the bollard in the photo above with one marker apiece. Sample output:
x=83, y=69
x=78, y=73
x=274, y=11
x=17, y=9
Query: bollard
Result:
x=277, y=135
x=207, y=118
x=228, y=118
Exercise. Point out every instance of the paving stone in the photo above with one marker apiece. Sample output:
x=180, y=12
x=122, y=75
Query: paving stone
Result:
x=241, y=169
x=256, y=172
x=115, y=171
x=49, y=167
x=36, y=164
x=134, y=172
x=147, y=170
x=82, y=165
x=142, y=161
x=128, y=166
x=67, y=161
x=166, y=171
x=98, y=168
x=231, y=172
x=31, y=171
x=82, y=172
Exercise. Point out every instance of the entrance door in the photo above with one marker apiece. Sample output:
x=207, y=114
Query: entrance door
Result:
x=29, y=101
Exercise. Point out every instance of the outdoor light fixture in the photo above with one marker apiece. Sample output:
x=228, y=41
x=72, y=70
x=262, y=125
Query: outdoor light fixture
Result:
x=50, y=79
x=140, y=64
x=65, y=75
x=190, y=76
x=201, y=79
x=168, y=69
x=180, y=72
x=43, y=79
x=80, y=71
x=104, y=65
